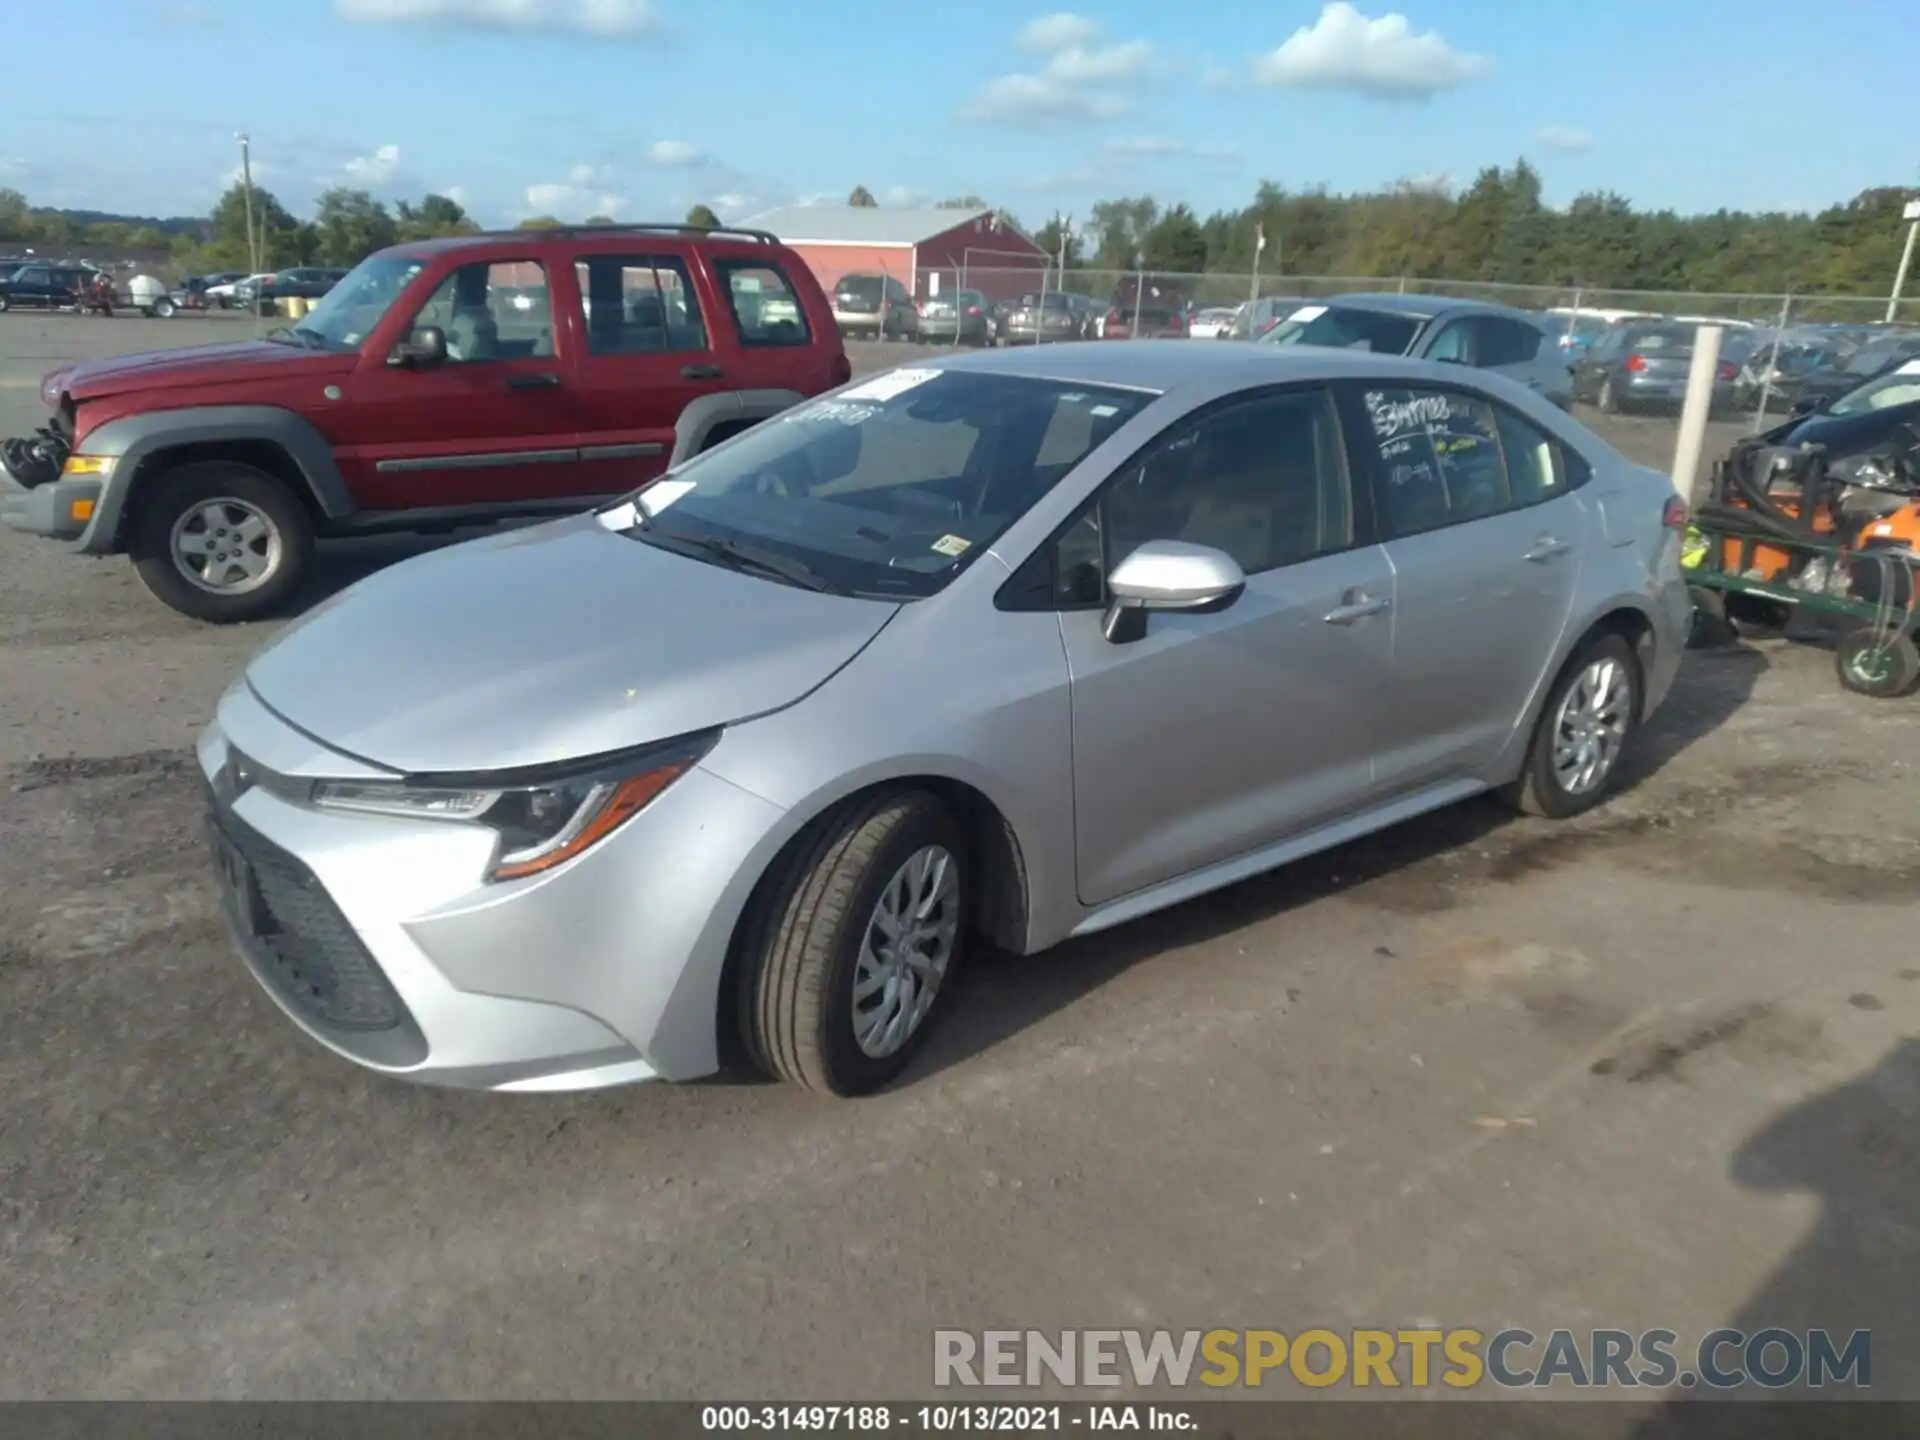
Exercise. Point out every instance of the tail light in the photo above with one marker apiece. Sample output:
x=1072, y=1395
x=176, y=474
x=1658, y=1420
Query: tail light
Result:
x=1727, y=371
x=1636, y=363
x=1674, y=517
x=840, y=372
x=1114, y=317
x=973, y=309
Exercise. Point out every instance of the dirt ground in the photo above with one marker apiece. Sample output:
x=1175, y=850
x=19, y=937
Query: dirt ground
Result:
x=1656, y=1067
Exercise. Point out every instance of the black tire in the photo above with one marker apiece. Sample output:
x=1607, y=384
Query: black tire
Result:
x=163, y=307
x=1886, y=669
x=802, y=941
x=1538, y=789
x=1607, y=402
x=1758, y=618
x=5, y=304
x=178, y=493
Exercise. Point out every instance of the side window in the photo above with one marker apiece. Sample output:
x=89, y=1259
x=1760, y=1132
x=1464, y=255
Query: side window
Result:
x=1534, y=469
x=639, y=303
x=35, y=275
x=492, y=310
x=1454, y=342
x=1507, y=342
x=1439, y=460
x=1263, y=479
x=765, y=309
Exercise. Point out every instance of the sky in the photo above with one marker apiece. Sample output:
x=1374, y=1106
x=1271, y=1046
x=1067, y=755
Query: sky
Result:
x=641, y=108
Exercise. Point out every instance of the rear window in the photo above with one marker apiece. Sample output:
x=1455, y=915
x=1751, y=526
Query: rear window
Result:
x=1347, y=327
x=863, y=287
x=1667, y=342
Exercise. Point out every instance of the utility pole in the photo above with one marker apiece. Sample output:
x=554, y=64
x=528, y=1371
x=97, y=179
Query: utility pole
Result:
x=1911, y=214
x=246, y=181
x=1065, y=222
x=1259, y=244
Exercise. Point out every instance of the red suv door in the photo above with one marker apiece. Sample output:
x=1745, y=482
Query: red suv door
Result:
x=493, y=424
x=651, y=345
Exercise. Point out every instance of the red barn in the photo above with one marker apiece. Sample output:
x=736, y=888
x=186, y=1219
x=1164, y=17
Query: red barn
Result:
x=928, y=251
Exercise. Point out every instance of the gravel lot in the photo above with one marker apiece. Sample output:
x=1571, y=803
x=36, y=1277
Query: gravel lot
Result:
x=1654, y=1068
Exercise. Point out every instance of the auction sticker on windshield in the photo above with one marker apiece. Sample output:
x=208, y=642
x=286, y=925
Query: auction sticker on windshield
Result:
x=1308, y=312
x=886, y=386
x=952, y=545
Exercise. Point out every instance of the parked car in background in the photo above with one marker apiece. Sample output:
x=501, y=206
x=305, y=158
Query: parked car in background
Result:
x=1645, y=365
x=1823, y=384
x=1254, y=319
x=1214, y=322
x=226, y=293
x=957, y=318
x=1435, y=327
x=1145, y=309
x=1385, y=586
x=874, y=306
x=418, y=396
x=1036, y=319
x=39, y=285
x=302, y=282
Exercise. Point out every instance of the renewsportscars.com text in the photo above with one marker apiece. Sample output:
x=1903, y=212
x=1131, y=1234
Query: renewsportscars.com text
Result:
x=1460, y=1359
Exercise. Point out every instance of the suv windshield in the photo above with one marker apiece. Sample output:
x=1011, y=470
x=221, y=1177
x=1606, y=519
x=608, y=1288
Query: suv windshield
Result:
x=346, y=314
x=886, y=489
x=1897, y=387
x=1347, y=327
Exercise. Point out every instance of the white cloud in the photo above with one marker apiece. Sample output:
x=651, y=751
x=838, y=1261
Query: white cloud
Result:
x=1141, y=145
x=1564, y=137
x=457, y=194
x=1083, y=177
x=677, y=153
x=1059, y=31
x=571, y=202
x=1344, y=50
x=237, y=175
x=904, y=197
x=605, y=19
x=370, y=170
x=735, y=202
x=1430, y=182
x=1078, y=82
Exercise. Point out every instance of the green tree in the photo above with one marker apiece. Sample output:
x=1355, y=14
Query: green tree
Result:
x=351, y=225
x=16, y=219
x=862, y=197
x=599, y=220
x=434, y=216
x=281, y=241
x=704, y=217
x=963, y=202
x=1122, y=226
x=1047, y=237
x=1175, y=245
x=540, y=222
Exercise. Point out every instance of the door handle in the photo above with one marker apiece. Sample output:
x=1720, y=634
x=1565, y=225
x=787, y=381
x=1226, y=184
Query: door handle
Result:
x=1545, y=548
x=533, y=382
x=1355, y=605
x=701, y=372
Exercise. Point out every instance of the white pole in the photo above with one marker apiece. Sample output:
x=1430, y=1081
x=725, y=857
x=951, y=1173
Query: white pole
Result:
x=1773, y=361
x=1694, y=411
x=1906, y=259
x=246, y=180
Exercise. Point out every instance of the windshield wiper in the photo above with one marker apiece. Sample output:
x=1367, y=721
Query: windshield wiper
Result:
x=305, y=339
x=741, y=556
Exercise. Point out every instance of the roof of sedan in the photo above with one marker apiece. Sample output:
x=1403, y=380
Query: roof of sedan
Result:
x=1424, y=306
x=1161, y=366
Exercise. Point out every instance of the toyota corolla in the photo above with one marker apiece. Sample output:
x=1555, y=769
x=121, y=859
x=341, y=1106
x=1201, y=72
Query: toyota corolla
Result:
x=1012, y=648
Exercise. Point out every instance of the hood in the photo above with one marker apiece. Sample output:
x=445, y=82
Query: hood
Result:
x=1846, y=434
x=550, y=644
x=194, y=365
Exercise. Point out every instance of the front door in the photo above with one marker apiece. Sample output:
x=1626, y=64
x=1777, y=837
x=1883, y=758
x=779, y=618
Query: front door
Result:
x=493, y=425
x=1485, y=539
x=1218, y=733
x=649, y=354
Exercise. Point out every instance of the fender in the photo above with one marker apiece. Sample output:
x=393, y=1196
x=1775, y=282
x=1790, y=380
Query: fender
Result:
x=135, y=439
x=698, y=420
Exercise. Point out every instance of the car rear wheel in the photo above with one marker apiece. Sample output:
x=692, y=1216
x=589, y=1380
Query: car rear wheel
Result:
x=1609, y=402
x=1586, y=724
x=163, y=307
x=5, y=304
x=853, y=942
x=222, y=542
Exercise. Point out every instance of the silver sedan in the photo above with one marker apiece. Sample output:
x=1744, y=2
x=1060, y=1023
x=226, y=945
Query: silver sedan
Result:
x=1016, y=646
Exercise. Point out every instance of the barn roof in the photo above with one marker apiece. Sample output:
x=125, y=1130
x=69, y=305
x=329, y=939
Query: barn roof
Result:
x=861, y=224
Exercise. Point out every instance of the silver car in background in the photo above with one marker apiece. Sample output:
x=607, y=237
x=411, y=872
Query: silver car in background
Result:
x=1018, y=645
x=1514, y=343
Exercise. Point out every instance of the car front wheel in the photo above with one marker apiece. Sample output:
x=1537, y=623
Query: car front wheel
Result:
x=222, y=542
x=853, y=942
x=1589, y=718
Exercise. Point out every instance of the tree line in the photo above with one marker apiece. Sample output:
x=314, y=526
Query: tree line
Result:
x=1495, y=229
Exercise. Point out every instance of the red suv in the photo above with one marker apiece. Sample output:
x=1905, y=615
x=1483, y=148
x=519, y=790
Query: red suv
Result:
x=440, y=384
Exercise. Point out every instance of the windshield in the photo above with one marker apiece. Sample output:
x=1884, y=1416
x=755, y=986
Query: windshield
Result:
x=892, y=486
x=861, y=287
x=1347, y=327
x=1897, y=387
x=346, y=314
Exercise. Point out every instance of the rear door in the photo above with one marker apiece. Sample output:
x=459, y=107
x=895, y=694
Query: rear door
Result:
x=650, y=349
x=492, y=426
x=1485, y=538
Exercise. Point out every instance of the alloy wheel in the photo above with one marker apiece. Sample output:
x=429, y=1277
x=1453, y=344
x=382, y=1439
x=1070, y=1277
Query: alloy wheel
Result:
x=1591, y=725
x=226, y=546
x=909, y=942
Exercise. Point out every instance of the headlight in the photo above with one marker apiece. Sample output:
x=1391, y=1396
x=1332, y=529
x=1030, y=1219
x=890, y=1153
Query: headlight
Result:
x=101, y=465
x=543, y=819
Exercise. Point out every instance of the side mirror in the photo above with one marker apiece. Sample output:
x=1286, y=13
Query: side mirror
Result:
x=1168, y=575
x=426, y=345
x=1806, y=404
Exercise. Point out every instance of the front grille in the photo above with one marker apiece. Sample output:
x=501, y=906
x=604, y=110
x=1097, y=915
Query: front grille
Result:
x=309, y=951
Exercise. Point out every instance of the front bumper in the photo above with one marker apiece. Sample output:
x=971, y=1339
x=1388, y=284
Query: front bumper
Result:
x=378, y=937
x=60, y=511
